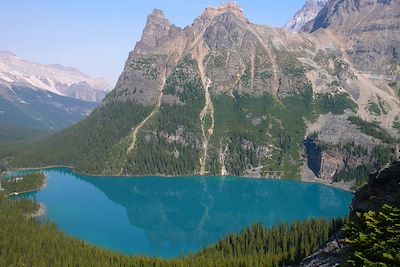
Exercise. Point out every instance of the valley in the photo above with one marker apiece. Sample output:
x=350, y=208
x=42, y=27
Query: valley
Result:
x=224, y=142
x=228, y=97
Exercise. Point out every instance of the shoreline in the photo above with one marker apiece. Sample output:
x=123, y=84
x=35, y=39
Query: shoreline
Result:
x=44, y=185
x=305, y=177
x=40, y=212
x=341, y=185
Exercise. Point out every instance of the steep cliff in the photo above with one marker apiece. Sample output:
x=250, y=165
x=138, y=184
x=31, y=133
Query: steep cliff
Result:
x=383, y=187
x=226, y=96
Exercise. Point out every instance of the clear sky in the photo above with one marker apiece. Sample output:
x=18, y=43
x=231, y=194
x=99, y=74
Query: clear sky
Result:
x=95, y=36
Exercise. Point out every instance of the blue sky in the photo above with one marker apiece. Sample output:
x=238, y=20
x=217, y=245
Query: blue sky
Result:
x=96, y=36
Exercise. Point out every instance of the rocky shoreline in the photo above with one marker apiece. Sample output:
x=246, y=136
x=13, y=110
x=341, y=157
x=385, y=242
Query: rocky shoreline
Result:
x=383, y=188
x=40, y=212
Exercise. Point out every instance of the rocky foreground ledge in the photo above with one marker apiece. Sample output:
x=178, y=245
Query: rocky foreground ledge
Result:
x=383, y=188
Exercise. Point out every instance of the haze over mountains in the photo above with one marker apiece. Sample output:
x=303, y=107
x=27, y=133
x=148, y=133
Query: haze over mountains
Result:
x=45, y=96
x=54, y=78
x=225, y=96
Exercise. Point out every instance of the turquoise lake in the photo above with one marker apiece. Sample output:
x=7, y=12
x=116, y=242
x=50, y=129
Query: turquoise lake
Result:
x=169, y=217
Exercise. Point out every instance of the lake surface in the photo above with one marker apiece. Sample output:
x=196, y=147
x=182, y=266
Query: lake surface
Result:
x=168, y=217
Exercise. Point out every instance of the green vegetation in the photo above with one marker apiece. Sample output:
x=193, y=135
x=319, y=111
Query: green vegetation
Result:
x=378, y=156
x=274, y=144
x=148, y=65
x=14, y=139
x=27, y=183
x=377, y=108
x=374, y=238
x=382, y=107
x=87, y=145
x=336, y=103
x=27, y=242
x=396, y=124
x=373, y=108
x=155, y=153
x=372, y=129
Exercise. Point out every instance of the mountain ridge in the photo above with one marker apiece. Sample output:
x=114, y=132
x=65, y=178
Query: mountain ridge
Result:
x=52, y=97
x=308, y=12
x=225, y=96
x=55, y=78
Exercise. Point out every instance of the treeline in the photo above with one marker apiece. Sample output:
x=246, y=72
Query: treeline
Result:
x=378, y=156
x=336, y=103
x=372, y=129
x=279, y=246
x=24, y=183
x=179, y=155
x=27, y=242
x=87, y=145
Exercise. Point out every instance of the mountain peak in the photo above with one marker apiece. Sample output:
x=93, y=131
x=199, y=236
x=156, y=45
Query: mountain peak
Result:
x=157, y=13
x=231, y=7
x=307, y=13
x=157, y=26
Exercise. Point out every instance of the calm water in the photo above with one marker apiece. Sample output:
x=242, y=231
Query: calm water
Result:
x=169, y=217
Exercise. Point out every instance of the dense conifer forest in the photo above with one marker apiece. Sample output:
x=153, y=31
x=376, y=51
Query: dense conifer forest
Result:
x=27, y=242
x=22, y=184
x=373, y=240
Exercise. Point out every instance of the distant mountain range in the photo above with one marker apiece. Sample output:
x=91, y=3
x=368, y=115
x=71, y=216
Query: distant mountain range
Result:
x=55, y=78
x=45, y=96
x=224, y=96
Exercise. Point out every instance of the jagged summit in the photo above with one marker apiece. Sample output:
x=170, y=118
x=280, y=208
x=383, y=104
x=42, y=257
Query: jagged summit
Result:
x=157, y=13
x=224, y=96
x=212, y=12
x=157, y=27
x=307, y=13
x=229, y=7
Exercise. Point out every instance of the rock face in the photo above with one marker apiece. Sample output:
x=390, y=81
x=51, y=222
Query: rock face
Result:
x=328, y=256
x=371, y=30
x=308, y=12
x=226, y=96
x=383, y=188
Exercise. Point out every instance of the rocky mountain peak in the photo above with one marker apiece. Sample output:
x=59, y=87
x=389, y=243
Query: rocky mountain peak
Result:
x=211, y=13
x=157, y=26
x=230, y=7
x=157, y=13
x=308, y=12
x=338, y=14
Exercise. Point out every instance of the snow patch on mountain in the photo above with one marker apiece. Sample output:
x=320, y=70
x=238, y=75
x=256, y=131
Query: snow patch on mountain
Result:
x=65, y=81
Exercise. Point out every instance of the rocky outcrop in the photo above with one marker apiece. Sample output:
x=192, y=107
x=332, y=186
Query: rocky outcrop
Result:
x=371, y=30
x=308, y=12
x=383, y=188
x=222, y=80
x=328, y=256
x=237, y=56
